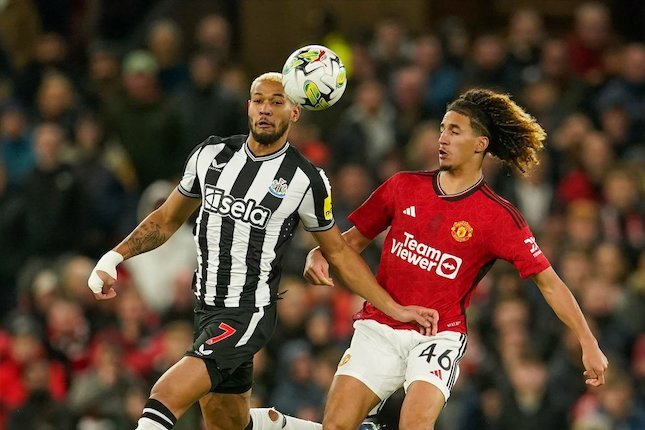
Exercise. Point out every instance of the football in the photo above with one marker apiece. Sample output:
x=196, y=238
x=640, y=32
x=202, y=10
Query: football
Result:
x=314, y=77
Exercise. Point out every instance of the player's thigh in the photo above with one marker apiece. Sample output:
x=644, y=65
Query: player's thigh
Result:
x=182, y=385
x=436, y=360
x=348, y=403
x=226, y=411
x=376, y=357
x=421, y=408
x=226, y=340
x=371, y=370
x=433, y=369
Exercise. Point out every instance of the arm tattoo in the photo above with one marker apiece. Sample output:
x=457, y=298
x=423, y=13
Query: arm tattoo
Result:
x=146, y=237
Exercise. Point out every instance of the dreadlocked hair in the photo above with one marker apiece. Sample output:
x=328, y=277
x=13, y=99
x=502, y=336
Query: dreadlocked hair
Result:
x=515, y=137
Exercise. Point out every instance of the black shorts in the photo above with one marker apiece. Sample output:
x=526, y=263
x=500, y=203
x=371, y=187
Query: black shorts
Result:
x=227, y=339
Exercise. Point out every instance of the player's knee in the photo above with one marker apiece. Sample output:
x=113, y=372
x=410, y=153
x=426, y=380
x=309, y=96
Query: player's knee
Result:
x=169, y=397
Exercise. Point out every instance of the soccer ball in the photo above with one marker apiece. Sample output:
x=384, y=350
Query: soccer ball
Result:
x=314, y=77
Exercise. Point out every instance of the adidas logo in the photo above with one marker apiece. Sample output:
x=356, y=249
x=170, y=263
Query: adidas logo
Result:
x=436, y=373
x=411, y=211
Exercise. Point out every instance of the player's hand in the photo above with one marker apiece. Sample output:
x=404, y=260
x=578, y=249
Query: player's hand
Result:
x=426, y=318
x=595, y=364
x=103, y=276
x=317, y=269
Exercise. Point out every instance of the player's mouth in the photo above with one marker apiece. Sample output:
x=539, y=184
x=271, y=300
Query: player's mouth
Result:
x=442, y=154
x=263, y=124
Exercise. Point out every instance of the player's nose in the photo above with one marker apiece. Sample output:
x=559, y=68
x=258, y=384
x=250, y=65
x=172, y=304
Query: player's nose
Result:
x=443, y=138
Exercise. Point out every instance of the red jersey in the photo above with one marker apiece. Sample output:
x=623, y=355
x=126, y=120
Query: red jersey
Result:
x=440, y=246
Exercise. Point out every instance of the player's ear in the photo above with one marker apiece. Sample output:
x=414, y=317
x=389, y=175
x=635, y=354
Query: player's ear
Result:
x=482, y=144
x=295, y=112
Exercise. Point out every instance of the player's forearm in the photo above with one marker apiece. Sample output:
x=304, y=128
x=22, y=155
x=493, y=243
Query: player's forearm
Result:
x=568, y=311
x=358, y=277
x=354, y=239
x=151, y=233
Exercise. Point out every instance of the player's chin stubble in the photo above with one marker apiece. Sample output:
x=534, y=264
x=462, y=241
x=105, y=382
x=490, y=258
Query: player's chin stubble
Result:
x=269, y=138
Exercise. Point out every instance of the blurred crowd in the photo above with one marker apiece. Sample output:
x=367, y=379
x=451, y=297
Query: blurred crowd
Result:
x=93, y=137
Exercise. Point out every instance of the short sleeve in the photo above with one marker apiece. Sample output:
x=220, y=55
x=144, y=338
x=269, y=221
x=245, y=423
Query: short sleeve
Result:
x=519, y=247
x=315, y=211
x=189, y=184
x=376, y=213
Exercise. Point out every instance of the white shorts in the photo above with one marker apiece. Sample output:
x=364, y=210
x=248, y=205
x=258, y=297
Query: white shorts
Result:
x=386, y=359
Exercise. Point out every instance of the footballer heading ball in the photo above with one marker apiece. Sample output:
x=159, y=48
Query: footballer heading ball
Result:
x=314, y=77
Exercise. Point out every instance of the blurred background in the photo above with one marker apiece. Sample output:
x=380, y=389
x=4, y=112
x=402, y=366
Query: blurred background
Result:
x=101, y=101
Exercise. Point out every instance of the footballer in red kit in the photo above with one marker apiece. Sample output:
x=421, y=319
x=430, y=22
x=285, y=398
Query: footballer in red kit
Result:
x=440, y=246
x=447, y=229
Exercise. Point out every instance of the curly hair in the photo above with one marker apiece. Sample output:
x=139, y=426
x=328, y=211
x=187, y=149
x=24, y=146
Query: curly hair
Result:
x=515, y=137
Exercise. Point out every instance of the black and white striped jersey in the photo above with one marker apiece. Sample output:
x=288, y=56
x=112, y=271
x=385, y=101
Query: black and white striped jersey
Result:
x=250, y=209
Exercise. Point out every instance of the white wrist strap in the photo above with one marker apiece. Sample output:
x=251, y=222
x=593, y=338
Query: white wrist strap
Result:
x=108, y=264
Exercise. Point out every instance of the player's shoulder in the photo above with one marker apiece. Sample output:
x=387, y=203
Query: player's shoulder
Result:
x=506, y=211
x=412, y=176
x=235, y=141
x=409, y=174
x=302, y=162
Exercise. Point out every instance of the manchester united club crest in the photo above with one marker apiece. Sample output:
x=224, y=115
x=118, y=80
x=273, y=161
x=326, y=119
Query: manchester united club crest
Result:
x=461, y=231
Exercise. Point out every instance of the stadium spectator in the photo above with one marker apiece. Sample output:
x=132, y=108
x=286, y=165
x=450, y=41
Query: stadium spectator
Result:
x=145, y=122
x=26, y=348
x=165, y=42
x=367, y=129
x=555, y=67
x=525, y=39
x=442, y=79
x=587, y=43
x=627, y=92
x=208, y=108
x=54, y=205
x=488, y=66
x=16, y=151
x=40, y=410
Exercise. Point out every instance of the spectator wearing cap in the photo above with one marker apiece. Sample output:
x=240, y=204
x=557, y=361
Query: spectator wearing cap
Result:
x=145, y=123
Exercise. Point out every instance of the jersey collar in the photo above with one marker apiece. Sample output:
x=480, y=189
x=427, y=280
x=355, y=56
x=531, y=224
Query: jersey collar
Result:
x=458, y=196
x=264, y=157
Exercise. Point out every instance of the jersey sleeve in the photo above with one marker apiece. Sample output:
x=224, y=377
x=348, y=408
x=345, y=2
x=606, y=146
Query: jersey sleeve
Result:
x=519, y=247
x=315, y=210
x=376, y=213
x=189, y=184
